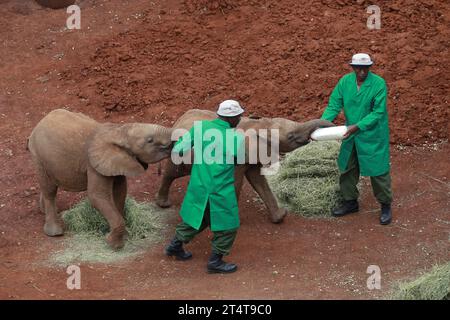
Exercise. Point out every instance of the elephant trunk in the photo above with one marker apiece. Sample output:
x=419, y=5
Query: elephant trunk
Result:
x=166, y=133
x=301, y=133
x=312, y=125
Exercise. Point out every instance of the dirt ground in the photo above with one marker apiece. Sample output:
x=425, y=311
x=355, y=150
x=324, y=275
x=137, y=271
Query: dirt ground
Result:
x=150, y=61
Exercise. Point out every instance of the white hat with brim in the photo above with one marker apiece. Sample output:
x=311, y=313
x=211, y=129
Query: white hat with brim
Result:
x=361, y=59
x=230, y=108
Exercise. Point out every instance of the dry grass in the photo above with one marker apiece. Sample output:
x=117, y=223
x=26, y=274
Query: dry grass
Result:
x=434, y=285
x=308, y=180
x=85, y=240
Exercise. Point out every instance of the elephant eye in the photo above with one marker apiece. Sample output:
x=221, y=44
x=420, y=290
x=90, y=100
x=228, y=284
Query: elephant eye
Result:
x=149, y=140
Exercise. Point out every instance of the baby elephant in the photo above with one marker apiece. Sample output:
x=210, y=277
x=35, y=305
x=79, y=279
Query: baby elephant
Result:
x=76, y=153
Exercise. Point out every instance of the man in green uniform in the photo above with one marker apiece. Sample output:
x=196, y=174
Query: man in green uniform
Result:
x=365, y=148
x=211, y=197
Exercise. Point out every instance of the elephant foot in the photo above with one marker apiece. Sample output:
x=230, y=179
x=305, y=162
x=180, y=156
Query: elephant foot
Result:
x=116, y=239
x=278, y=216
x=163, y=203
x=53, y=228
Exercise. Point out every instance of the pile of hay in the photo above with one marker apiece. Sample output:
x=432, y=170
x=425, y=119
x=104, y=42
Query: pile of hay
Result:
x=434, y=285
x=308, y=180
x=85, y=240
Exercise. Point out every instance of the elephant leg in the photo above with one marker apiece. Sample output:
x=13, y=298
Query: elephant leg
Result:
x=259, y=183
x=101, y=195
x=120, y=193
x=54, y=225
x=239, y=172
x=171, y=173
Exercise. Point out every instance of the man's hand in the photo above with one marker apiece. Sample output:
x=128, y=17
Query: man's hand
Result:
x=351, y=130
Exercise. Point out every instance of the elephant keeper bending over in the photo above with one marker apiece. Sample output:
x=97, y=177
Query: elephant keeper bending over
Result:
x=210, y=198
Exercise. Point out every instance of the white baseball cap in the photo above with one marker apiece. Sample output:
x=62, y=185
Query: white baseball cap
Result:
x=229, y=108
x=361, y=59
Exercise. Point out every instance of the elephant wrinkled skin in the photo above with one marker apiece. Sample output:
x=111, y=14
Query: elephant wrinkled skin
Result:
x=76, y=153
x=292, y=135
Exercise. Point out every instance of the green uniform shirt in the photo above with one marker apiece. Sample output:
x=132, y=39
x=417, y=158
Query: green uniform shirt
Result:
x=212, y=177
x=365, y=108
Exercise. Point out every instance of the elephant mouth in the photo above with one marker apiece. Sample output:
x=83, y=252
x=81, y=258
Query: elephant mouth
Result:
x=303, y=143
x=299, y=143
x=143, y=164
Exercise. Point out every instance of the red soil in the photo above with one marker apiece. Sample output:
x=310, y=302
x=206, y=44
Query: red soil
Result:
x=151, y=61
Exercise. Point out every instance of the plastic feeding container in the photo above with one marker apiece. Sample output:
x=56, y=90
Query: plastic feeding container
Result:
x=331, y=133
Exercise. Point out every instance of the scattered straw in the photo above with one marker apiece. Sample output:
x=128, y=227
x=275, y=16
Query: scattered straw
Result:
x=434, y=285
x=85, y=240
x=308, y=180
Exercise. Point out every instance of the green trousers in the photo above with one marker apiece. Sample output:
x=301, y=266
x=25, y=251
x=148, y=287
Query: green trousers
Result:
x=381, y=185
x=222, y=241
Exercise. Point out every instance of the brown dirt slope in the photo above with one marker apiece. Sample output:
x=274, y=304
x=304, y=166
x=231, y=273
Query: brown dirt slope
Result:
x=281, y=58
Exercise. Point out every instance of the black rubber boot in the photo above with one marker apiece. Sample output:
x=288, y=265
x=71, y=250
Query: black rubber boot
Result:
x=346, y=208
x=217, y=265
x=386, y=214
x=175, y=248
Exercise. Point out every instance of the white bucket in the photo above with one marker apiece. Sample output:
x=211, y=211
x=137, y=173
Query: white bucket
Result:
x=331, y=133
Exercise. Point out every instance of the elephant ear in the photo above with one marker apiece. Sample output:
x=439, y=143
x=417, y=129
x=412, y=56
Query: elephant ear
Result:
x=109, y=153
x=253, y=143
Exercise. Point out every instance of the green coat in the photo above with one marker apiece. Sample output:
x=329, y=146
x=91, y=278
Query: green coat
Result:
x=365, y=108
x=212, y=177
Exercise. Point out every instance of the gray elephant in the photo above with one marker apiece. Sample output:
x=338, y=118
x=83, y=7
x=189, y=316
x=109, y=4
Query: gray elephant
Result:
x=292, y=135
x=76, y=153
